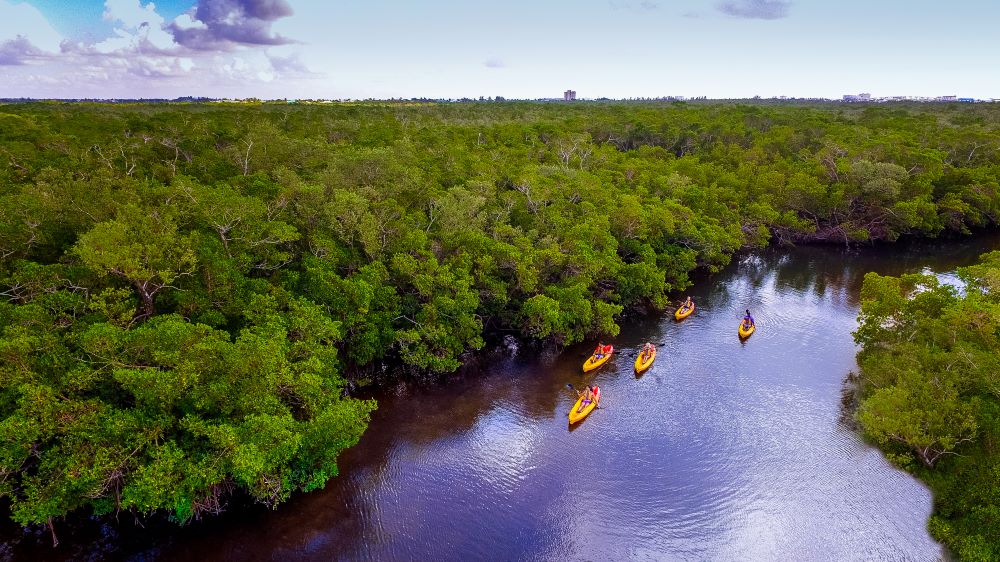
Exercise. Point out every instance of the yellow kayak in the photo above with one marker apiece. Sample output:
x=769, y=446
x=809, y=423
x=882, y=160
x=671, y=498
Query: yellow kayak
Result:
x=580, y=410
x=683, y=313
x=745, y=332
x=595, y=362
x=641, y=365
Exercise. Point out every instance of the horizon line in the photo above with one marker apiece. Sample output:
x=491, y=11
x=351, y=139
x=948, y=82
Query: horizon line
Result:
x=501, y=99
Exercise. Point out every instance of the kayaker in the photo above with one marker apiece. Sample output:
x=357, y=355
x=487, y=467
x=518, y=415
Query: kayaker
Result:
x=687, y=304
x=647, y=350
x=748, y=320
x=588, y=396
x=599, y=352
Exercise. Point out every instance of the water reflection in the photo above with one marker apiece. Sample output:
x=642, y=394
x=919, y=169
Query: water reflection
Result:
x=721, y=450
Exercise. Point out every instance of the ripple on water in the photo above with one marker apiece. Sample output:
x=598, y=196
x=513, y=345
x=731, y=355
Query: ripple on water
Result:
x=721, y=451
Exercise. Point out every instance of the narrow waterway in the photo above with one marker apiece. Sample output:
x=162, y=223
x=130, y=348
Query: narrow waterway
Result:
x=723, y=450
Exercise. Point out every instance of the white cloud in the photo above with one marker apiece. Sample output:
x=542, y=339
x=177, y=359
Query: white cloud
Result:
x=756, y=9
x=222, y=53
x=25, y=33
x=185, y=21
x=236, y=66
x=121, y=40
x=139, y=24
x=130, y=12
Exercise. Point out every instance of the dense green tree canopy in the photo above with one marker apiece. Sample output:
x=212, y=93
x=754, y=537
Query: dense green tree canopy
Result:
x=185, y=286
x=930, y=387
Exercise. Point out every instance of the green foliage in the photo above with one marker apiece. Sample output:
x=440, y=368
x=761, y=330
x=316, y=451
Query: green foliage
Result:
x=186, y=286
x=930, y=393
x=169, y=414
x=144, y=250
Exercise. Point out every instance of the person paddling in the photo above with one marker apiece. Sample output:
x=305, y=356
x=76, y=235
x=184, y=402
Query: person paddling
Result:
x=588, y=396
x=748, y=321
x=687, y=305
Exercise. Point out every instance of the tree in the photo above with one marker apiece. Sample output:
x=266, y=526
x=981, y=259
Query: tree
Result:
x=930, y=392
x=145, y=250
x=928, y=418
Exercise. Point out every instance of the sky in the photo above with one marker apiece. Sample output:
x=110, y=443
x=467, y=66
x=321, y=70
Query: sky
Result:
x=359, y=49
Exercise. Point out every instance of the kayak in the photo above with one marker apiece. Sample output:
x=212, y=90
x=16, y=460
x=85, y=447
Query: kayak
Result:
x=594, y=362
x=580, y=410
x=641, y=365
x=681, y=314
x=745, y=333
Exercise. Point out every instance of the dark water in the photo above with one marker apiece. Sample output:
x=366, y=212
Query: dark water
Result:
x=723, y=450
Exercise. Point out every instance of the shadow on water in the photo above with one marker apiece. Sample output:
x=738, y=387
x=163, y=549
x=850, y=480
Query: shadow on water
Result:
x=722, y=449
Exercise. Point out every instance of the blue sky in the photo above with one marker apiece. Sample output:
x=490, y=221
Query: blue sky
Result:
x=84, y=19
x=516, y=49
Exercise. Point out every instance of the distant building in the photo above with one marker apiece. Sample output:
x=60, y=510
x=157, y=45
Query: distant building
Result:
x=858, y=97
x=569, y=95
x=947, y=98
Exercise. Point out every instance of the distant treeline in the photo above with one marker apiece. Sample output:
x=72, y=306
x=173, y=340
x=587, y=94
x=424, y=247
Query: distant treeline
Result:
x=186, y=285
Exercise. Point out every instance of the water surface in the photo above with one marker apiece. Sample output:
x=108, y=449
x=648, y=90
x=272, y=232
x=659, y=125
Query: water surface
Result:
x=723, y=450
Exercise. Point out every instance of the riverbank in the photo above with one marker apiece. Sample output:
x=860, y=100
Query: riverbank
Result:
x=382, y=378
x=929, y=395
x=718, y=447
x=185, y=286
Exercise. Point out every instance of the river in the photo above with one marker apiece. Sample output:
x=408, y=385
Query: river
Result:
x=723, y=450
